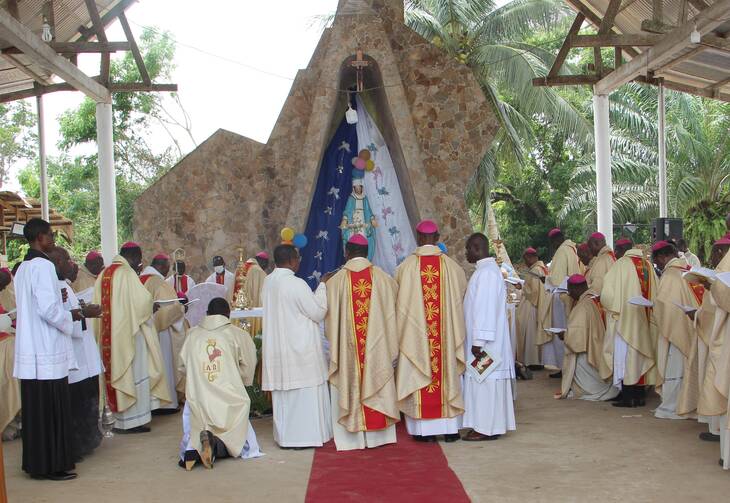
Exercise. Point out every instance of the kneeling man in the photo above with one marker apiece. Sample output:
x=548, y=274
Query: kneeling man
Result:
x=219, y=361
x=584, y=368
x=362, y=333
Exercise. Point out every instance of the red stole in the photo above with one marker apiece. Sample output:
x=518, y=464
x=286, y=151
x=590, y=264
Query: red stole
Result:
x=181, y=283
x=144, y=278
x=597, y=302
x=106, y=333
x=430, y=398
x=697, y=290
x=220, y=278
x=361, y=290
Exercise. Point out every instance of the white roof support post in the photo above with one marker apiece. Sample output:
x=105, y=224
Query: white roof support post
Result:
x=107, y=181
x=662, y=136
x=45, y=213
x=604, y=183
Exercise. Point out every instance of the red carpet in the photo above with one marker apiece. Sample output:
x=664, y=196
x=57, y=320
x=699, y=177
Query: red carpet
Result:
x=406, y=471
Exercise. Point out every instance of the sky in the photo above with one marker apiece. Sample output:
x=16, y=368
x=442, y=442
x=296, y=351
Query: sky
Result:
x=235, y=62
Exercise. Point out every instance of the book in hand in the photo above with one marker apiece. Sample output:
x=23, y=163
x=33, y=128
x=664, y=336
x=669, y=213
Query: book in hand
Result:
x=640, y=301
x=699, y=273
x=482, y=365
x=555, y=330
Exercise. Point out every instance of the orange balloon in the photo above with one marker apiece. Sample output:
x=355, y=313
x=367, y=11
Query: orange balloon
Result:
x=364, y=154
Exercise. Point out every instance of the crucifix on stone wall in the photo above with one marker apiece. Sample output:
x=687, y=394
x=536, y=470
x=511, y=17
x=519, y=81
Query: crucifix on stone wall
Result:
x=359, y=65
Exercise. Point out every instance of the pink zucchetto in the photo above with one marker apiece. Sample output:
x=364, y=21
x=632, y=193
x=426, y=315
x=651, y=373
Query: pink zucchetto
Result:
x=262, y=255
x=427, y=227
x=624, y=242
x=554, y=232
x=92, y=255
x=723, y=241
x=598, y=235
x=130, y=244
x=659, y=245
x=161, y=256
x=530, y=251
x=576, y=279
x=358, y=239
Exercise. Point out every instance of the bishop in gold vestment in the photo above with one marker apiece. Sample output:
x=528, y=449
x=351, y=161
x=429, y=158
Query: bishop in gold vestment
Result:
x=677, y=363
x=362, y=333
x=88, y=272
x=134, y=368
x=531, y=311
x=603, y=259
x=430, y=317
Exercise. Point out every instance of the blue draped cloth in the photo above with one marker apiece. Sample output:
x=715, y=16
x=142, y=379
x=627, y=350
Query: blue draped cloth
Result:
x=324, y=251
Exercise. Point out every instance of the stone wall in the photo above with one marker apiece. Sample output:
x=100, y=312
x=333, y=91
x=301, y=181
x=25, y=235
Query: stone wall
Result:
x=232, y=191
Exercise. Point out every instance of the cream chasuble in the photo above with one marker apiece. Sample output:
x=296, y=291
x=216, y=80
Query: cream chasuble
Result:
x=125, y=328
x=9, y=385
x=676, y=329
x=530, y=315
x=255, y=277
x=219, y=361
x=84, y=280
x=7, y=298
x=631, y=276
x=170, y=326
x=599, y=267
x=430, y=318
x=585, y=370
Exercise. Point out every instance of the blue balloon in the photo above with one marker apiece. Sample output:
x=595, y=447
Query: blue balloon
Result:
x=443, y=247
x=300, y=241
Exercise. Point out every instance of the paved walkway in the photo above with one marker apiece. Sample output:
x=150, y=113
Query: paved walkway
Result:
x=562, y=451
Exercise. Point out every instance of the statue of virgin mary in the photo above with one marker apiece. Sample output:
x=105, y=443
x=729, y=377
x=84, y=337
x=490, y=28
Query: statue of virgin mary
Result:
x=358, y=218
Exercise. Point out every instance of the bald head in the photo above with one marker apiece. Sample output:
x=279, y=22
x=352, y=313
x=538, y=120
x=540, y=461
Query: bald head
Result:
x=62, y=260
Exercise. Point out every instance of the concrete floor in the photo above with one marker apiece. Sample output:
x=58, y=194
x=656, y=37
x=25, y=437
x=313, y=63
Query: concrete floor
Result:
x=563, y=451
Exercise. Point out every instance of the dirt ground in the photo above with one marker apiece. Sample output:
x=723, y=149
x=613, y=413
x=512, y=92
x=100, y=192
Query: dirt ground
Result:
x=563, y=451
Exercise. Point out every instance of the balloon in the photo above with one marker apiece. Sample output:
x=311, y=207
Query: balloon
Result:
x=300, y=241
x=442, y=247
x=364, y=154
x=359, y=163
x=369, y=165
x=287, y=234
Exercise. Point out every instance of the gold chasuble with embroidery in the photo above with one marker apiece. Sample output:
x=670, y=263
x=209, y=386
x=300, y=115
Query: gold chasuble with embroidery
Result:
x=430, y=316
x=126, y=309
x=361, y=329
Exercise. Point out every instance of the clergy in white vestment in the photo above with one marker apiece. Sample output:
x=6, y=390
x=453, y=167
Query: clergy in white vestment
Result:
x=134, y=368
x=169, y=323
x=677, y=344
x=88, y=272
x=488, y=405
x=218, y=360
x=430, y=316
x=84, y=381
x=180, y=281
x=684, y=252
x=586, y=373
x=565, y=263
x=222, y=276
x=363, y=338
x=294, y=365
x=43, y=357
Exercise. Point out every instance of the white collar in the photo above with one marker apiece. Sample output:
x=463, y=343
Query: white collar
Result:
x=486, y=261
x=151, y=271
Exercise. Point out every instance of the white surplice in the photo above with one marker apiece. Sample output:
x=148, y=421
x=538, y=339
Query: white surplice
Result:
x=84, y=343
x=177, y=285
x=488, y=406
x=294, y=365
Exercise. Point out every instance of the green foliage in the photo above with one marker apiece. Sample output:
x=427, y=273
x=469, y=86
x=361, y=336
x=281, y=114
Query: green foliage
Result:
x=73, y=188
x=18, y=138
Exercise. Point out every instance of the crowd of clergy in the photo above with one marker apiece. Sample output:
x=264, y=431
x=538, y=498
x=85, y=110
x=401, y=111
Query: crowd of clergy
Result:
x=361, y=352
x=618, y=323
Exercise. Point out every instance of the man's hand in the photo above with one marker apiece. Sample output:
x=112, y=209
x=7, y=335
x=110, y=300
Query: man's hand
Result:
x=155, y=307
x=64, y=294
x=91, y=311
x=76, y=315
x=475, y=350
x=542, y=279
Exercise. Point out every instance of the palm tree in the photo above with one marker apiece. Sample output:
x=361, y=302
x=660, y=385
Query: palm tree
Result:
x=493, y=41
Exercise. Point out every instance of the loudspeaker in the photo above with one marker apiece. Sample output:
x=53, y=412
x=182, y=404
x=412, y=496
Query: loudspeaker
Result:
x=667, y=228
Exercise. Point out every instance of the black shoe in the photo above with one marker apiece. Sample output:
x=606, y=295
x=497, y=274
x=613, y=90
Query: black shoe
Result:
x=709, y=437
x=452, y=438
x=557, y=375
x=57, y=476
x=722, y=463
x=131, y=431
x=165, y=412
x=617, y=398
x=536, y=367
x=625, y=404
x=424, y=438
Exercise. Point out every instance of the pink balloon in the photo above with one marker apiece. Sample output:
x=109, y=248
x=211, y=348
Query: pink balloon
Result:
x=360, y=163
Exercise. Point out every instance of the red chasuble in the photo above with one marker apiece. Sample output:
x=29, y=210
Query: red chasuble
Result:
x=361, y=290
x=431, y=400
x=106, y=334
